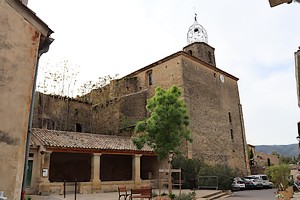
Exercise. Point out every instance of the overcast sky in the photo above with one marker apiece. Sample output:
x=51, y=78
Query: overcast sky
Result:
x=252, y=41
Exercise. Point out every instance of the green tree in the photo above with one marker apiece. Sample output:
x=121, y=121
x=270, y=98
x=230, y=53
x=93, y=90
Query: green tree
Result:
x=279, y=174
x=166, y=127
x=286, y=159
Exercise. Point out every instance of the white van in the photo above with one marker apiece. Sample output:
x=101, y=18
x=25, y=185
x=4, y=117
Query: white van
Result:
x=265, y=181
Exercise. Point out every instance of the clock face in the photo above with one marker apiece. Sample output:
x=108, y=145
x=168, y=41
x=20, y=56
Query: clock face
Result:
x=222, y=78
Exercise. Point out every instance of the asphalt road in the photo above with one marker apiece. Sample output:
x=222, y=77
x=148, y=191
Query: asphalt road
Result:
x=265, y=194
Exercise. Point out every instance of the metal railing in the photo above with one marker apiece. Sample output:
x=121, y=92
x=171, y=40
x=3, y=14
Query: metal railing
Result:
x=208, y=182
x=71, y=183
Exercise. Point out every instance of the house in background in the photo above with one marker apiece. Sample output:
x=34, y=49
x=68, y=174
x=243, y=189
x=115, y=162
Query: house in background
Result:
x=259, y=161
x=23, y=39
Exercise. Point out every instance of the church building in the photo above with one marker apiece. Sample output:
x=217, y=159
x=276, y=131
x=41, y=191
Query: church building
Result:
x=96, y=127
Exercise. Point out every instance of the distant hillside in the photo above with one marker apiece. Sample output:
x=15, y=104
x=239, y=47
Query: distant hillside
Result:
x=286, y=150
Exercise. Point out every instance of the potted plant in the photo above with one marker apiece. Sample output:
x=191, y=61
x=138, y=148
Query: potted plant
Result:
x=279, y=196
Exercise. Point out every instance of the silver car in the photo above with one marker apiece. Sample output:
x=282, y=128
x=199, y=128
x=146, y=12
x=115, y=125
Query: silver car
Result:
x=257, y=182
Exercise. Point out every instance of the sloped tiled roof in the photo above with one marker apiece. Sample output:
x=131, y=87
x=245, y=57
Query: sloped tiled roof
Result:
x=75, y=140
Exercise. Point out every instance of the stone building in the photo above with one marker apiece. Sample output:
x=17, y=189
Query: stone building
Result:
x=55, y=112
x=211, y=95
x=23, y=39
x=259, y=160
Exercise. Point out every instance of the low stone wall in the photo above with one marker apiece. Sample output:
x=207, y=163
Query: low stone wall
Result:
x=87, y=187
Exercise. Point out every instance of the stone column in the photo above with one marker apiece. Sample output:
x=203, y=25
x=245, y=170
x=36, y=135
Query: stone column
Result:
x=44, y=186
x=95, y=173
x=136, y=169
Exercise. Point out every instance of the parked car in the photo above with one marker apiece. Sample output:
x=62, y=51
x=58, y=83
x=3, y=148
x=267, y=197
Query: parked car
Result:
x=257, y=182
x=237, y=185
x=248, y=184
x=264, y=179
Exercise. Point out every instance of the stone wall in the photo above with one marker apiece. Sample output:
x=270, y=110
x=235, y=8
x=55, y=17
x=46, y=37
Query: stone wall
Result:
x=118, y=116
x=215, y=115
x=202, y=51
x=165, y=75
x=261, y=159
x=61, y=113
x=116, y=88
x=19, y=43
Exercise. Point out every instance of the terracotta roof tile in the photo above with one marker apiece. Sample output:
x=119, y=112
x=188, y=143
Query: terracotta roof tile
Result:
x=75, y=140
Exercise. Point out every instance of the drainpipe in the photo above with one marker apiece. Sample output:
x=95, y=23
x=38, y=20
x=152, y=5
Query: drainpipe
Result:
x=42, y=49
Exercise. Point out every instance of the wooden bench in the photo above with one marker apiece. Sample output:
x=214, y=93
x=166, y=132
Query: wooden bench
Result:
x=141, y=193
x=122, y=192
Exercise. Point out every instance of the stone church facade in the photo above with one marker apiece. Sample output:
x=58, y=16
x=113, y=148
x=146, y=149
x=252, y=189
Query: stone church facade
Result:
x=211, y=95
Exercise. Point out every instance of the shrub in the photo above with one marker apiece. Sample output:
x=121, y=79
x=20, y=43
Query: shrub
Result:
x=189, y=196
x=192, y=169
x=28, y=197
x=172, y=196
x=224, y=173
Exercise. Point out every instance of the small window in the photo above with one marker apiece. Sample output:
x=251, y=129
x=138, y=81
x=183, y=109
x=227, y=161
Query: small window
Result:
x=190, y=52
x=209, y=57
x=231, y=134
x=76, y=112
x=149, y=78
x=31, y=155
x=229, y=117
x=78, y=127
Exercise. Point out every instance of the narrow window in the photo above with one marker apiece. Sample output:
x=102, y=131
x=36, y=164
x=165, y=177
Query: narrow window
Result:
x=209, y=57
x=40, y=100
x=149, y=78
x=231, y=134
x=78, y=127
x=190, y=52
x=229, y=117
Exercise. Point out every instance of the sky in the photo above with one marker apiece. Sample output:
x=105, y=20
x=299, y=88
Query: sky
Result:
x=252, y=41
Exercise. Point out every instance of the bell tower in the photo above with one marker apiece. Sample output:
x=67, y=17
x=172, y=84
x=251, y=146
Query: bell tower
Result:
x=198, y=44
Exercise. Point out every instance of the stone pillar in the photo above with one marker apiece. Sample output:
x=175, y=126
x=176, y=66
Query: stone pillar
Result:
x=136, y=169
x=44, y=185
x=95, y=173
